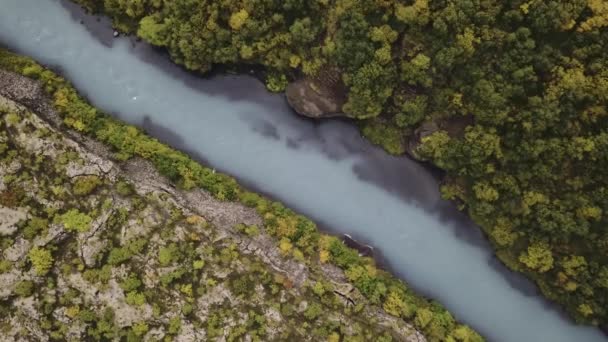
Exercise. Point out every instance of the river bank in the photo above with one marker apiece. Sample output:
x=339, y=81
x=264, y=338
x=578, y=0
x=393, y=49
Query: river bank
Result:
x=325, y=158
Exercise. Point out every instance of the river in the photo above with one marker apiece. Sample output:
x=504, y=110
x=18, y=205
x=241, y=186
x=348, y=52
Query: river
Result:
x=325, y=170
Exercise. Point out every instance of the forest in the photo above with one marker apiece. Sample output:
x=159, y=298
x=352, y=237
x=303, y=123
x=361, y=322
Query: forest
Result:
x=529, y=78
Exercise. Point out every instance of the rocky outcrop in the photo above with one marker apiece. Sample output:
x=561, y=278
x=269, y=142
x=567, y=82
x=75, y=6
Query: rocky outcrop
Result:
x=424, y=130
x=9, y=218
x=454, y=126
x=319, y=97
x=363, y=249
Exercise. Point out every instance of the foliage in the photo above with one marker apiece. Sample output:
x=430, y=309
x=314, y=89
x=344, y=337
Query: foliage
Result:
x=313, y=311
x=168, y=255
x=140, y=328
x=538, y=257
x=131, y=283
x=74, y=220
x=41, y=259
x=119, y=255
x=85, y=185
x=35, y=226
x=390, y=138
x=24, y=288
x=175, y=325
x=135, y=298
x=5, y=266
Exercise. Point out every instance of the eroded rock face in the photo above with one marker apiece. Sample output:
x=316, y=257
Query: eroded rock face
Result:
x=313, y=99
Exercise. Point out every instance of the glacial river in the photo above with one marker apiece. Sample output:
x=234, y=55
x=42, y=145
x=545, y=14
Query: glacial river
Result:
x=323, y=170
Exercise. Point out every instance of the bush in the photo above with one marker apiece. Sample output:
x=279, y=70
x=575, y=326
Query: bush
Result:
x=74, y=220
x=168, y=255
x=313, y=311
x=175, y=325
x=41, y=259
x=342, y=255
x=24, y=288
x=84, y=185
x=140, y=328
x=423, y=318
x=388, y=137
x=130, y=283
x=395, y=305
x=122, y=254
x=119, y=255
x=135, y=298
x=5, y=266
x=35, y=226
x=243, y=286
x=123, y=188
x=198, y=264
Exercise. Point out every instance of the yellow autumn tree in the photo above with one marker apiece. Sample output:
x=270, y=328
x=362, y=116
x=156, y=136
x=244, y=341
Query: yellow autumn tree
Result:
x=394, y=304
x=238, y=19
x=538, y=257
x=417, y=13
x=599, y=18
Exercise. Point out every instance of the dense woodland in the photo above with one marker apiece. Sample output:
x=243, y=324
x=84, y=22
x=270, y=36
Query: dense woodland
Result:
x=530, y=76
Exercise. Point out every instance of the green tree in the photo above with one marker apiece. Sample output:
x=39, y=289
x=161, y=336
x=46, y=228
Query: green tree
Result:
x=153, y=30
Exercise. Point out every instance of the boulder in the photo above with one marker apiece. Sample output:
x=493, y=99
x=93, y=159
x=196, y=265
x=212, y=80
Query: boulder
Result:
x=313, y=99
x=455, y=127
x=363, y=249
x=425, y=129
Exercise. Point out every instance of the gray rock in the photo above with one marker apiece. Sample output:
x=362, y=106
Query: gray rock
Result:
x=454, y=127
x=314, y=100
x=8, y=281
x=9, y=219
x=188, y=333
x=17, y=251
x=424, y=130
